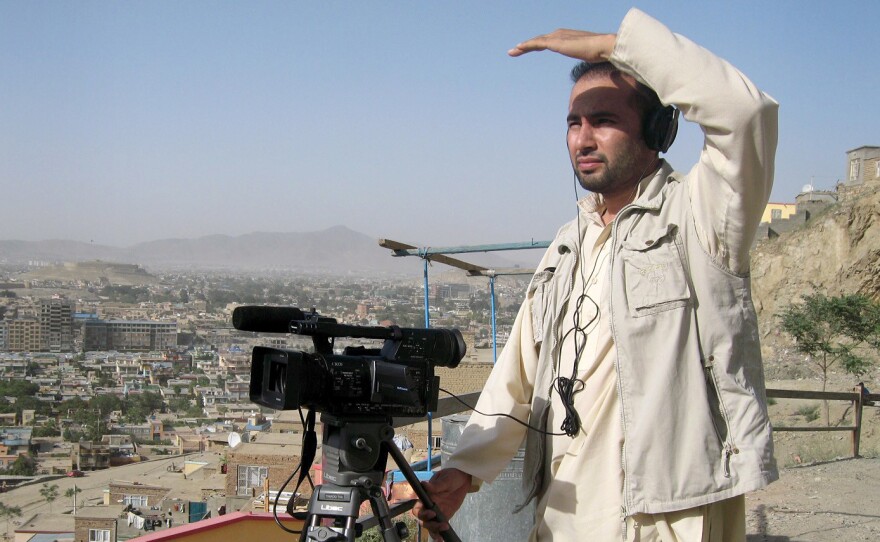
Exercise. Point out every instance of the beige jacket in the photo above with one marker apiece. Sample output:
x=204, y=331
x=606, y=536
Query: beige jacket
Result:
x=690, y=378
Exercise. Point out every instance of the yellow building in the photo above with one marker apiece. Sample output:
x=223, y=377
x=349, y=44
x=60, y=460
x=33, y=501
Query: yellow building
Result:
x=778, y=211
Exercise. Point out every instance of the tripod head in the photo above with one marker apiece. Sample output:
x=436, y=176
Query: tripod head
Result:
x=354, y=450
x=354, y=456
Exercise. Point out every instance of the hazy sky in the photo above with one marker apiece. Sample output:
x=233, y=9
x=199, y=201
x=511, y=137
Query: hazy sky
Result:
x=123, y=122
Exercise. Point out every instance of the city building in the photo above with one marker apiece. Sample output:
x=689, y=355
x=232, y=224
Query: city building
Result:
x=100, y=524
x=129, y=335
x=151, y=431
x=87, y=455
x=47, y=526
x=136, y=494
x=235, y=363
x=778, y=211
x=250, y=465
x=14, y=441
x=56, y=325
x=24, y=335
x=863, y=166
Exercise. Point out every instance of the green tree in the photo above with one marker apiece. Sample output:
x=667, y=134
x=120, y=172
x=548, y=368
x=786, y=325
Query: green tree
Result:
x=18, y=388
x=24, y=465
x=105, y=380
x=71, y=435
x=50, y=493
x=32, y=403
x=139, y=407
x=184, y=407
x=9, y=512
x=48, y=429
x=71, y=493
x=103, y=405
x=90, y=418
x=834, y=330
x=76, y=408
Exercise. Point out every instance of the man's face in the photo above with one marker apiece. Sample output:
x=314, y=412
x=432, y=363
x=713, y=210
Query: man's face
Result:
x=605, y=140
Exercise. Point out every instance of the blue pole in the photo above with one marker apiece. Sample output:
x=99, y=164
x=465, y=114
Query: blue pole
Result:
x=494, y=330
x=427, y=325
x=427, y=314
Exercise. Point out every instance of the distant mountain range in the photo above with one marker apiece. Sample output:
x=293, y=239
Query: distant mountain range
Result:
x=337, y=250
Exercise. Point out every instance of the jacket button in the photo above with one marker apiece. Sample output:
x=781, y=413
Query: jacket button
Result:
x=711, y=358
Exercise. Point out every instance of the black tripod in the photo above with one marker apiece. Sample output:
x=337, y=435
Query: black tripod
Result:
x=355, y=452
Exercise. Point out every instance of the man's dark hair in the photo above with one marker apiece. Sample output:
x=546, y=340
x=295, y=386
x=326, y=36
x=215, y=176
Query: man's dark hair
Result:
x=646, y=99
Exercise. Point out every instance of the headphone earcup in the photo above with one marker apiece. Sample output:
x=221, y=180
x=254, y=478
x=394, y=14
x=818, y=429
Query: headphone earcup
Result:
x=661, y=126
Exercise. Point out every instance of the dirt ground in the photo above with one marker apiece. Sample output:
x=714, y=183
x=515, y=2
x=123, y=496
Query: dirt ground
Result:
x=829, y=501
x=823, y=493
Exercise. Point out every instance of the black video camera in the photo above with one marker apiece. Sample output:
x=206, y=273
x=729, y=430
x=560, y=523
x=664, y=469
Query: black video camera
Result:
x=394, y=380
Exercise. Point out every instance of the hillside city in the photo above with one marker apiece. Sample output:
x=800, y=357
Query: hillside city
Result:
x=128, y=352
x=98, y=374
x=127, y=391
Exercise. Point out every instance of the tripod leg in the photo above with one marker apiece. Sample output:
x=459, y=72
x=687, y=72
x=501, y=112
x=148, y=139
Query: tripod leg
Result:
x=449, y=535
x=381, y=511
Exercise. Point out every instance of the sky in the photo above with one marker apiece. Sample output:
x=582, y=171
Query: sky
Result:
x=124, y=122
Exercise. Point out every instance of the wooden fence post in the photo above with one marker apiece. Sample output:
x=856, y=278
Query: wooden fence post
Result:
x=857, y=431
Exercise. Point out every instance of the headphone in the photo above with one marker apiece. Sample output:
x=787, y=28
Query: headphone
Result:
x=660, y=128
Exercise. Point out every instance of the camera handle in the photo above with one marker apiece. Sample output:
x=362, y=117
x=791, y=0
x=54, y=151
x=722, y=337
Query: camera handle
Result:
x=354, y=457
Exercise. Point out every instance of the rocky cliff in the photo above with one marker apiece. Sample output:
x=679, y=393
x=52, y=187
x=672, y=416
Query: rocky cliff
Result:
x=836, y=252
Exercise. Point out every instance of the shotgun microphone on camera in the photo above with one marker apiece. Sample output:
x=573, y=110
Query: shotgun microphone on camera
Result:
x=263, y=319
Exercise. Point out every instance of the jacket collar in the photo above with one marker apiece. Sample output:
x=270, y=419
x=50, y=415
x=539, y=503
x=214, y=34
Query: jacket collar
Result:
x=651, y=189
x=649, y=194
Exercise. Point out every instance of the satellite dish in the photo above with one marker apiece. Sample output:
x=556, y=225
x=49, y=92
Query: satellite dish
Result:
x=234, y=439
x=807, y=188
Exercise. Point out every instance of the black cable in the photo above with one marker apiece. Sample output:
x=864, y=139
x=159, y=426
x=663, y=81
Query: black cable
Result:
x=275, y=503
x=307, y=476
x=567, y=388
x=501, y=415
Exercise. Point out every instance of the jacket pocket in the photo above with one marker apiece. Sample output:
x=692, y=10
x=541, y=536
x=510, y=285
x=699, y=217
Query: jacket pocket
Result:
x=653, y=271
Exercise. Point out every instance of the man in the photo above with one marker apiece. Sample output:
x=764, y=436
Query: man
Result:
x=635, y=356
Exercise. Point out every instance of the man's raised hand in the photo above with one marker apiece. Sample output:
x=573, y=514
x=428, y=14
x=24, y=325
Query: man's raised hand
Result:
x=578, y=44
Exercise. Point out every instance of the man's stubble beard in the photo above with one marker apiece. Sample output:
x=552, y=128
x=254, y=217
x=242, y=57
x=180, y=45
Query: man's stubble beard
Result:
x=623, y=169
